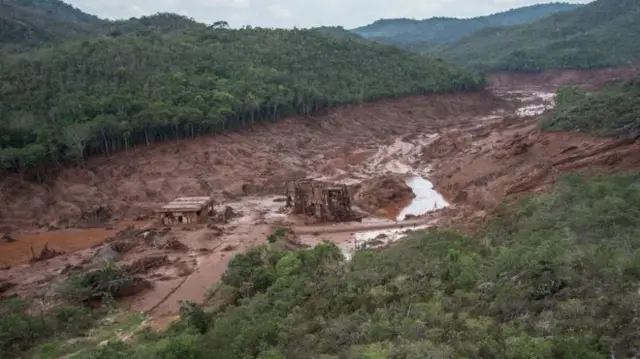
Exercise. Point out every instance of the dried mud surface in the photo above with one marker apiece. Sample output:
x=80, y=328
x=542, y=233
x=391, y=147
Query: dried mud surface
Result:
x=589, y=79
x=477, y=148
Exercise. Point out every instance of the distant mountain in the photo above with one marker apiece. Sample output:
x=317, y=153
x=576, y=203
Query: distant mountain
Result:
x=27, y=24
x=338, y=31
x=602, y=33
x=57, y=10
x=424, y=34
x=25, y=27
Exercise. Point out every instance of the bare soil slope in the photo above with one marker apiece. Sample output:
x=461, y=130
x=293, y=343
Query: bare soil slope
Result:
x=590, y=79
x=132, y=184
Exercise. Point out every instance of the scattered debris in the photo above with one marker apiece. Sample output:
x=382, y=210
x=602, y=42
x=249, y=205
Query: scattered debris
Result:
x=228, y=213
x=8, y=238
x=6, y=285
x=173, y=244
x=229, y=248
x=45, y=254
x=146, y=264
x=184, y=269
x=98, y=215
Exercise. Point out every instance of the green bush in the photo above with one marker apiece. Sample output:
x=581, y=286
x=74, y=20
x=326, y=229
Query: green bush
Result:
x=21, y=330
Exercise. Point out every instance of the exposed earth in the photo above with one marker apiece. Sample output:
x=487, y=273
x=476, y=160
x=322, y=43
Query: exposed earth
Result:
x=475, y=150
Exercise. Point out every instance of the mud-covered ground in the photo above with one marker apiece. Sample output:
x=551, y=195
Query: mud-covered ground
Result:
x=461, y=152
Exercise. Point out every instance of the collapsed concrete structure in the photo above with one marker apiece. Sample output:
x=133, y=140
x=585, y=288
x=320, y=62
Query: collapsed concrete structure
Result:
x=186, y=210
x=320, y=200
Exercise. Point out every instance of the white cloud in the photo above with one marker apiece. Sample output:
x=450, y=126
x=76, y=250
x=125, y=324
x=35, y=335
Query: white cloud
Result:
x=279, y=10
x=301, y=13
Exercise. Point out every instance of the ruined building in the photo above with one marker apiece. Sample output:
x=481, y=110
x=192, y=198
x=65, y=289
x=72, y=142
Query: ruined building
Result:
x=186, y=210
x=320, y=200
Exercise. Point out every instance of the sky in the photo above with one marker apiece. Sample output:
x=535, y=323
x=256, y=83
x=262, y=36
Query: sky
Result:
x=300, y=13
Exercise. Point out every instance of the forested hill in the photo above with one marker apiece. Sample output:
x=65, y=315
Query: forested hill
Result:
x=58, y=10
x=602, y=33
x=23, y=27
x=421, y=35
x=29, y=24
x=113, y=92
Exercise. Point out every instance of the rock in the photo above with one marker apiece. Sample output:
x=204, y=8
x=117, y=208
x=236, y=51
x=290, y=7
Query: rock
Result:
x=130, y=287
x=145, y=264
x=97, y=215
x=6, y=285
x=383, y=192
x=174, y=245
x=228, y=213
x=461, y=197
x=229, y=248
x=106, y=254
x=8, y=238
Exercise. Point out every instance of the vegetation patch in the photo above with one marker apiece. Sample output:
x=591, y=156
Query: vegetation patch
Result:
x=556, y=275
x=614, y=111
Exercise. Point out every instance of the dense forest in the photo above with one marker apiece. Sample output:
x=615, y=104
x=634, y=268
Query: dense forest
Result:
x=167, y=77
x=600, y=34
x=614, y=111
x=422, y=35
x=554, y=276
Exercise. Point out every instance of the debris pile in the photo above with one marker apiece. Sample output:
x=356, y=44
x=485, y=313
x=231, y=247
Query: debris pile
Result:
x=145, y=264
x=382, y=192
x=45, y=254
x=97, y=215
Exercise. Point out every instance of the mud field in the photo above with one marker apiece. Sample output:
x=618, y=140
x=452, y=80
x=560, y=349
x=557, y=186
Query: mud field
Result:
x=419, y=162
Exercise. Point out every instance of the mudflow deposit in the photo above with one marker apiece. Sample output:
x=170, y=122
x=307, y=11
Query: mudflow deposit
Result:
x=414, y=163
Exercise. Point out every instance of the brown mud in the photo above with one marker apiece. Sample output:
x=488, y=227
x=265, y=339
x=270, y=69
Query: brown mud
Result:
x=478, y=149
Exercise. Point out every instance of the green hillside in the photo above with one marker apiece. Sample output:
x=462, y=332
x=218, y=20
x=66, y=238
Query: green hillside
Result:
x=614, y=111
x=110, y=93
x=421, y=35
x=338, y=31
x=602, y=33
x=57, y=10
x=30, y=24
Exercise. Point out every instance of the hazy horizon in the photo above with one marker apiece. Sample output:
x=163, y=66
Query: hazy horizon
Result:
x=291, y=13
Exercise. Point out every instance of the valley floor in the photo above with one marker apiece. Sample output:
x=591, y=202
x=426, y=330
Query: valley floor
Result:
x=477, y=149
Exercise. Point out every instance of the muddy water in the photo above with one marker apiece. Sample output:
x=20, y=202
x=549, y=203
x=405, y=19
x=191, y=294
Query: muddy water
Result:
x=70, y=240
x=427, y=198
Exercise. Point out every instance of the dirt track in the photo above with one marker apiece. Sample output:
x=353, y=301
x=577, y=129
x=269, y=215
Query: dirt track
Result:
x=477, y=148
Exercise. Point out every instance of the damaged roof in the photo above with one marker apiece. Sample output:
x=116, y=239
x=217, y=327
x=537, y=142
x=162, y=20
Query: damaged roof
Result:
x=186, y=204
